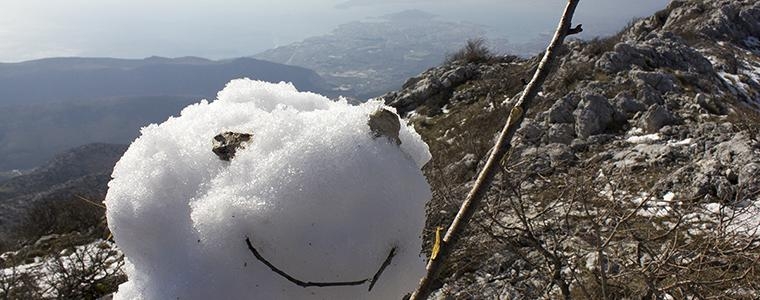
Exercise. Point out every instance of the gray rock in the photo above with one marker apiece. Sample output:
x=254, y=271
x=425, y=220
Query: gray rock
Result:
x=656, y=117
x=627, y=106
x=433, y=88
x=560, y=154
x=562, y=133
x=725, y=20
x=530, y=132
x=562, y=110
x=648, y=95
x=593, y=115
x=225, y=145
x=710, y=104
x=736, y=150
x=385, y=123
x=661, y=82
x=538, y=160
x=456, y=76
x=659, y=50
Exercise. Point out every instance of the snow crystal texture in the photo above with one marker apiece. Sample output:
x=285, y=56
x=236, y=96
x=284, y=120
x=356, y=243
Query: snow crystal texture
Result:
x=318, y=195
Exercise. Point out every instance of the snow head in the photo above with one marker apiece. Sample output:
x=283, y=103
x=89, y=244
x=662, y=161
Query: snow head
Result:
x=301, y=197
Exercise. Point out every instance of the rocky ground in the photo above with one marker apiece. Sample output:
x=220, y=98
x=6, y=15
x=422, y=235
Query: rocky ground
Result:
x=636, y=175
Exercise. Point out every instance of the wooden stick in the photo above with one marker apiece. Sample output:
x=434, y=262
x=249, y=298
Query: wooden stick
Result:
x=502, y=146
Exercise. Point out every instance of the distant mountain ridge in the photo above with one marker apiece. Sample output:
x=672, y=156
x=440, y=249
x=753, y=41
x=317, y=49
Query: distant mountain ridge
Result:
x=80, y=78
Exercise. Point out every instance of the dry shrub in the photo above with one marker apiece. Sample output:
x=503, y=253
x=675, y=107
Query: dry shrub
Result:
x=474, y=51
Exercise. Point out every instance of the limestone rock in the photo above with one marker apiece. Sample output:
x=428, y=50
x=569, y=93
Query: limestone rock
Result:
x=530, y=132
x=385, y=123
x=656, y=117
x=660, y=50
x=432, y=88
x=661, y=82
x=710, y=104
x=561, y=133
x=593, y=115
x=627, y=106
x=562, y=110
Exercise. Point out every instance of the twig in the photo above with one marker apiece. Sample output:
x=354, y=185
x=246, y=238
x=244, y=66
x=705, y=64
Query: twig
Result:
x=90, y=201
x=385, y=264
x=296, y=281
x=300, y=283
x=502, y=146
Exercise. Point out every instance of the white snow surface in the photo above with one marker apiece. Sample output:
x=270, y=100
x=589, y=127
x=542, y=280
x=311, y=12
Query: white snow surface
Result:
x=317, y=195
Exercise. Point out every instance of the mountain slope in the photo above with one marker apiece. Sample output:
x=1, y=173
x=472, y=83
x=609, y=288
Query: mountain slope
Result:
x=636, y=175
x=83, y=171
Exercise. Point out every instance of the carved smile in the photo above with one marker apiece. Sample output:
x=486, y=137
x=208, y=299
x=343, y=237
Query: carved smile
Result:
x=301, y=283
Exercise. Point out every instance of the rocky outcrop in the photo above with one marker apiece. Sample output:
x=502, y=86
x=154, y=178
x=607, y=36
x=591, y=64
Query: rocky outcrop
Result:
x=431, y=89
x=668, y=110
x=660, y=50
x=734, y=21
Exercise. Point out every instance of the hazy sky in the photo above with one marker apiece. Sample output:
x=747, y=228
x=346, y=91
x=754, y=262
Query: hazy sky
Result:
x=31, y=29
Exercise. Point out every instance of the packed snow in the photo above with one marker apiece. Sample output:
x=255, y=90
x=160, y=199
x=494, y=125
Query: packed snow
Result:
x=320, y=197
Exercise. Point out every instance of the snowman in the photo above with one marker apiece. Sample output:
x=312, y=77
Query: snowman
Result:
x=271, y=193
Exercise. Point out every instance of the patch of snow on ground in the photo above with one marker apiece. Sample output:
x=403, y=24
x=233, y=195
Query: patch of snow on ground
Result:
x=654, y=207
x=684, y=142
x=746, y=219
x=644, y=139
x=752, y=71
x=101, y=256
x=743, y=218
x=734, y=81
x=635, y=131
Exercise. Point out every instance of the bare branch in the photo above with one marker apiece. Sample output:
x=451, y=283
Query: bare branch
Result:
x=502, y=146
